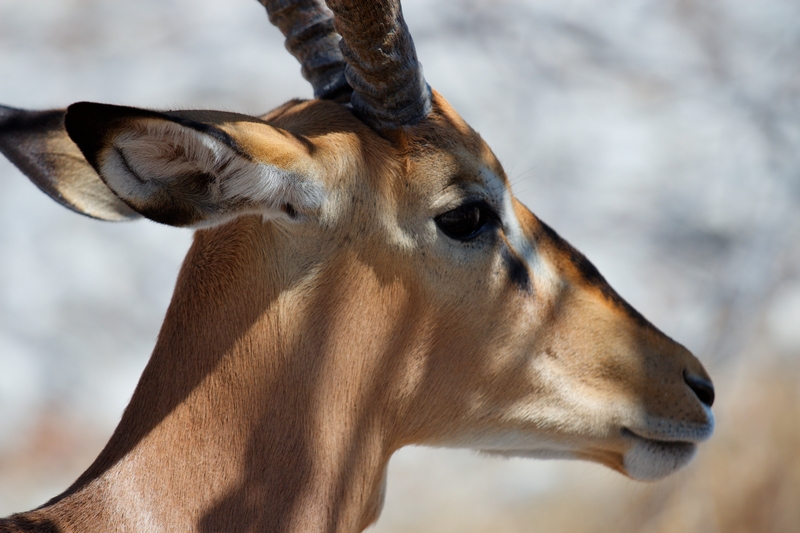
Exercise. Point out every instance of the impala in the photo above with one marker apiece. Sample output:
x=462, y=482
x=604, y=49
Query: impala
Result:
x=361, y=279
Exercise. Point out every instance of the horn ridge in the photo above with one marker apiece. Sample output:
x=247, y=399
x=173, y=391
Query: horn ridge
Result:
x=389, y=89
x=311, y=38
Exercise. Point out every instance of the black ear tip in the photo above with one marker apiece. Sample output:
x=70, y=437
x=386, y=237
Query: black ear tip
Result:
x=96, y=115
x=77, y=106
x=86, y=127
x=88, y=123
x=83, y=114
x=82, y=109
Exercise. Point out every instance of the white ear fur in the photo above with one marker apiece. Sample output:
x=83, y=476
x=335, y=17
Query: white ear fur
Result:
x=153, y=156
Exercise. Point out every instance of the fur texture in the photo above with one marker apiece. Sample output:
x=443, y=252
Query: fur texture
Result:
x=296, y=358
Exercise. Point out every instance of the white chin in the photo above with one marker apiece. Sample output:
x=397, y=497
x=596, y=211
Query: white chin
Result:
x=648, y=460
x=532, y=454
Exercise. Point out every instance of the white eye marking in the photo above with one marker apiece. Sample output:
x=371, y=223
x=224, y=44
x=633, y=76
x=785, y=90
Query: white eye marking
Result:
x=520, y=244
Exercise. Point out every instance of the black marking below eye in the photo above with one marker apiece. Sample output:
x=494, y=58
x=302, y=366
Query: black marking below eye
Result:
x=517, y=269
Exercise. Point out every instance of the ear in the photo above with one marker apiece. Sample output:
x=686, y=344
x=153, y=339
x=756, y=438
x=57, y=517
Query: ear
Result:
x=196, y=168
x=37, y=143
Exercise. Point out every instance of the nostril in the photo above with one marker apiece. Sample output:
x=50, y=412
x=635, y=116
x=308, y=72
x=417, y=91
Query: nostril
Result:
x=701, y=387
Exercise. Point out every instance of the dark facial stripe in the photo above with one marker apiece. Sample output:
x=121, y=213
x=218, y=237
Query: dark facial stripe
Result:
x=591, y=275
x=517, y=269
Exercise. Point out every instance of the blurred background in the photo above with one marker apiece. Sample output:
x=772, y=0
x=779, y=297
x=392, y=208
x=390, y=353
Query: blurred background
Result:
x=660, y=137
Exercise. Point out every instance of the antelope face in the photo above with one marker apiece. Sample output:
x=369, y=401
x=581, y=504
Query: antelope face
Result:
x=514, y=344
x=531, y=353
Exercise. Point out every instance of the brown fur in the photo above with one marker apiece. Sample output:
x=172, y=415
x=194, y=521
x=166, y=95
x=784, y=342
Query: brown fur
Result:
x=295, y=358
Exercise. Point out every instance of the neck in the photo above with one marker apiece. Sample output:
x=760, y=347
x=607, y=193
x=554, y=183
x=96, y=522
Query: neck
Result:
x=232, y=428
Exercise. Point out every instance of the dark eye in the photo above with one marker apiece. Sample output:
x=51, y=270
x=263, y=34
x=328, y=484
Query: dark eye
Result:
x=467, y=221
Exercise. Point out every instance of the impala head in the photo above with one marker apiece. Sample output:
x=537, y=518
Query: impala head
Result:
x=390, y=222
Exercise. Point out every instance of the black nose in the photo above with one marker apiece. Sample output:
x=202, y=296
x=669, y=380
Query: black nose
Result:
x=701, y=387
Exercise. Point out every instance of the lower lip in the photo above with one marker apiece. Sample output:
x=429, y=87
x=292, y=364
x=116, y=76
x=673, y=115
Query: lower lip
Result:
x=666, y=445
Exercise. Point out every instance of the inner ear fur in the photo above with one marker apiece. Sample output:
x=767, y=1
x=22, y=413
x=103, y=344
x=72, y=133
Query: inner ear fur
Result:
x=184, y=169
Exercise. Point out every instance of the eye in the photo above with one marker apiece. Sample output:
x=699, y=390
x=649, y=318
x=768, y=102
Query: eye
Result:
x=467, y=221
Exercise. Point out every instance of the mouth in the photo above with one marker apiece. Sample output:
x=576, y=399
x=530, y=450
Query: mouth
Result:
x=649, y=459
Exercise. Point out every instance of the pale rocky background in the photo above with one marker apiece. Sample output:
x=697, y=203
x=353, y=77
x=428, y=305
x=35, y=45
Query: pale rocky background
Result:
x=662, y=138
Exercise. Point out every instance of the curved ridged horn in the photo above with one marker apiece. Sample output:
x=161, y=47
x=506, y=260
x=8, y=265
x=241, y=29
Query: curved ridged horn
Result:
x=389, y=89
x=311, y=38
